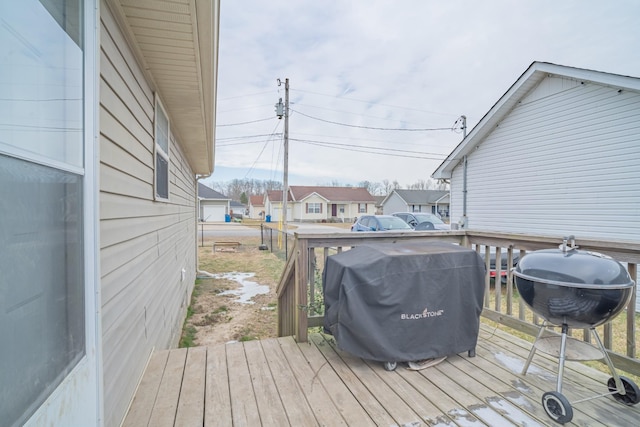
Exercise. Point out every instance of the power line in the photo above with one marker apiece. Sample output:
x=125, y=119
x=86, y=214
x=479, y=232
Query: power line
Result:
x=383, y=151
x=273, y=134
x=369, y=102
x=242, y=96
x=346, y=112
x=373, y=128
x=245, y=123
x=370, y=152
x=235, y=144
x=235, y=138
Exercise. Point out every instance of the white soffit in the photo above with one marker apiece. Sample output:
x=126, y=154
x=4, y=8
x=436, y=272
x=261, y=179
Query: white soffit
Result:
x=177, y=45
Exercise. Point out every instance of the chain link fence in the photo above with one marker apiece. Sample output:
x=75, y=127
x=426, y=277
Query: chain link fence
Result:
x=276, y=241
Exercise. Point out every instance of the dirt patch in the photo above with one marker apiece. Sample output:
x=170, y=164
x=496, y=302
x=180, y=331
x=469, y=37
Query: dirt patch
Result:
x=217, y=315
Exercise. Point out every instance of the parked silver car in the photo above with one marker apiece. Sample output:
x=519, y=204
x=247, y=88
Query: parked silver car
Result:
x=379, y=223
x=422, y=221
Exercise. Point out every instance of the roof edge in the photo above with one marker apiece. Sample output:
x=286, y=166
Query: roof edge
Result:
x=535, y=73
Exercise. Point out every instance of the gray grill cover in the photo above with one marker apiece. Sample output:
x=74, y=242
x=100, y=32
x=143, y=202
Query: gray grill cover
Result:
x=399, y=302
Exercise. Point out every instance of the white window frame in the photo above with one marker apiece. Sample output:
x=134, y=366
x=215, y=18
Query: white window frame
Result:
x=315, y=208
x=159, y=151
x=78, y=399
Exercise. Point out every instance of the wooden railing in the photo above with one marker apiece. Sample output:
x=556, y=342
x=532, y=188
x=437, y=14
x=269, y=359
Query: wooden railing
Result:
x=300, y=288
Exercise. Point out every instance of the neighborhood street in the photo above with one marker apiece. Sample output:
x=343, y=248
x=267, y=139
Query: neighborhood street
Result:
x=231, y=229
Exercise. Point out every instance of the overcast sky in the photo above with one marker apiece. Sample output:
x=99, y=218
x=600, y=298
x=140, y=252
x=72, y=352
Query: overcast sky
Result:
x=404, y=67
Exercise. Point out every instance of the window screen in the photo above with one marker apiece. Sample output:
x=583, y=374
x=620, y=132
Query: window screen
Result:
x=162, y=153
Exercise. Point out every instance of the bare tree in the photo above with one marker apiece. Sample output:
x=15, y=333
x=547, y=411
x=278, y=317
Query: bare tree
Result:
x=387, y=187
x=373, y=188
x=250, y=187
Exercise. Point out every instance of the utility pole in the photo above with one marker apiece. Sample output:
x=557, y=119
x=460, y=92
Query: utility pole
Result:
x=280, y=111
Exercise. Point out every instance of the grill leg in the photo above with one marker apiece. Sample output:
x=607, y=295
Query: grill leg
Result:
x=533, y=349
x=563, y=356
x=607, y=359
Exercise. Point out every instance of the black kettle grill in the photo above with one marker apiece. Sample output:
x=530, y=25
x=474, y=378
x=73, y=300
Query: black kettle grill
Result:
x=579, y=289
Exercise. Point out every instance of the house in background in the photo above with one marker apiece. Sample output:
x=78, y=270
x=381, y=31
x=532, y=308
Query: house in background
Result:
x=273, y=205
x=379, y=200
x=213, y=206
x=100, y=195
x=256, y=207
x=237, y=210
x=428, y=201
x=314, y=204
x=558, y=155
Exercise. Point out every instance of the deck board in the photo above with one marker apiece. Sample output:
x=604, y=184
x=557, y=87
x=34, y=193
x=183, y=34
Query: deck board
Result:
x=147, y=392
x=244, y=407
x=277, y=382
x=166, y=405
x=350, y=409
x=269, y=404
x=317, y=397
x=292, y=395
x=217, y=410
x=190, y=410
x=351, y=381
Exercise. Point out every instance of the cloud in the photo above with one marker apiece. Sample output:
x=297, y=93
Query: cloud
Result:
x=393, y=64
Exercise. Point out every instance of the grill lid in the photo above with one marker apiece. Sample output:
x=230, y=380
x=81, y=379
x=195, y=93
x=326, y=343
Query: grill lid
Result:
x=571, y=267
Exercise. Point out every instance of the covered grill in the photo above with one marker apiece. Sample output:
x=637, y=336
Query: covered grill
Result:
x=578, y=289
x=401, y=302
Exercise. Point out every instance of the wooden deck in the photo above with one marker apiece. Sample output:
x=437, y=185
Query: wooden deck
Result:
x=278, y=382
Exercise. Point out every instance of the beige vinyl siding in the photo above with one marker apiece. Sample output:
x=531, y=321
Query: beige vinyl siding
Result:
x=312, y=216
x=564, y=161
x=144, y=244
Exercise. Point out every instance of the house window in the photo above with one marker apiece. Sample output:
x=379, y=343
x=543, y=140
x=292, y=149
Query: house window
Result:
x=42, y=289
x=341, y=209
x=162, y=153
x=362, y=208
x=314, y=208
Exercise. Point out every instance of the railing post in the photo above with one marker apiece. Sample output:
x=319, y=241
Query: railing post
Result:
x=312, y=280
x=497, y=280
x=487, y=276
x=631, y=313
x=301, y=276
x=509, y=284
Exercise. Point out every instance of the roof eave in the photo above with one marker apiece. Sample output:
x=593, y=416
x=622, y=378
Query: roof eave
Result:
x=536, y=72
x=182, y=67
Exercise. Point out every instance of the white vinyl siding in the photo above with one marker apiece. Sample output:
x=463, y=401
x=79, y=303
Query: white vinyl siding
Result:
x=394, y=203
x=564, y=161
x=144, y=244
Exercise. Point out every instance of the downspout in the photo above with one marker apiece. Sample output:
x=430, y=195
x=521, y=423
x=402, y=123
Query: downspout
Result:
x=464, y=220
x=197, y=208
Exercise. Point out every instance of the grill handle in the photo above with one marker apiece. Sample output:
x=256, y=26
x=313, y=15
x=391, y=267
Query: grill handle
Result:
x=563, y=247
